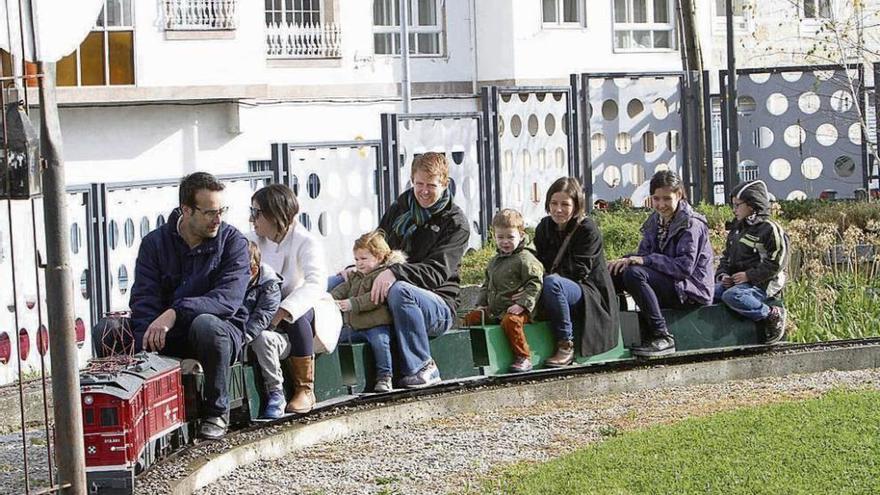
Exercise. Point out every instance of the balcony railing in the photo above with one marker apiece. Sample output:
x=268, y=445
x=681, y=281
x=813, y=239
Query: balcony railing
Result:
x=200, y=15
x=284, y=40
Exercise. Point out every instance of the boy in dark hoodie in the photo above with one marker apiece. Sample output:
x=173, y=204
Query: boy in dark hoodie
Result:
x=752, y=267
x=514, y=278
x=261, y=300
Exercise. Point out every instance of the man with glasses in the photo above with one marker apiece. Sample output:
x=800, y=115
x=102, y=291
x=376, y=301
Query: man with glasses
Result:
x=186, y=300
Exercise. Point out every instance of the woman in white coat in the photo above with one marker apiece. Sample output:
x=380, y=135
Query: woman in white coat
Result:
x=307, y=320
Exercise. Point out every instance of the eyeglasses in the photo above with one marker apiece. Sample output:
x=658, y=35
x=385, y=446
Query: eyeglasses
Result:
x=213, y=213
x=255, y=212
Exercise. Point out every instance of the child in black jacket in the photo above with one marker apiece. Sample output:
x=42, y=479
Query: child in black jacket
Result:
x=752, y=267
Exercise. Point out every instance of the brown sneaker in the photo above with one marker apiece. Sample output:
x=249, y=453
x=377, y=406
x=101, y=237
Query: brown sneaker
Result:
x=563, y=356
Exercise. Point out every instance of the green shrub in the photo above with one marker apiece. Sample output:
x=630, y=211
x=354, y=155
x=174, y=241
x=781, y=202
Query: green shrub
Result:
x=843, y=214
x=621, y=230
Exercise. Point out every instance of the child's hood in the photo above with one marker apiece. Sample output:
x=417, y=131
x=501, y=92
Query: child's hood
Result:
x=754, y=194
x=395, y=257
x=267, y=274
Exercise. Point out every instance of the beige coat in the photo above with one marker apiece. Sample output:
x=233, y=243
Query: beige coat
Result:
x=299, y=259
x=364, y=314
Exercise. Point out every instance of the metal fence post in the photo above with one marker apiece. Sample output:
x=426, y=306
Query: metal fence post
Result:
x=280, y=163
x=99, y=263
x=707, y=182
x=729, y=172
x=587, y=167
x=491, y=186
x=574, y=134
x=390, y=159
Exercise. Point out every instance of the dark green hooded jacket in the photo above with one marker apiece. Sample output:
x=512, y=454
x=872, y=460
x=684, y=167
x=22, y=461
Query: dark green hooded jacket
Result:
x=509, y=274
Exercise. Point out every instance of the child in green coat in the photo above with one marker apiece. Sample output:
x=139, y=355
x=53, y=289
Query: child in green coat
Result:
x=512, y=286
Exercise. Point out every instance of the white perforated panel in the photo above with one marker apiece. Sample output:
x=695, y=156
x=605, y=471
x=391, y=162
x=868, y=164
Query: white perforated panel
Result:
x=336, y=189
x=533, y=149
x=635, y=131
x=457, y=138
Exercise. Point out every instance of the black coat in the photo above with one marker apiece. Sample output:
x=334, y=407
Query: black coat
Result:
x=584, y=263
x=433, y=251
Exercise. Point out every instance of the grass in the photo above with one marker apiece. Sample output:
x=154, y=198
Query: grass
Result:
x=825, y=445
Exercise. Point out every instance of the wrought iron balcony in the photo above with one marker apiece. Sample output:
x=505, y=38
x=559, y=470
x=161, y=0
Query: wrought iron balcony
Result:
x=290, y=40
x=200, y=15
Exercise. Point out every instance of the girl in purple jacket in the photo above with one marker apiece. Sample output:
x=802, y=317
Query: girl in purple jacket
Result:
x=672, y=267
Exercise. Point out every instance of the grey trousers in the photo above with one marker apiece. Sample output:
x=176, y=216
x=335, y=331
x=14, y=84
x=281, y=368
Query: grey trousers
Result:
x=270, y=348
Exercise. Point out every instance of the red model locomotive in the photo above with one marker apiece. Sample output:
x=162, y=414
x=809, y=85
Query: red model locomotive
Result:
x=133, y=414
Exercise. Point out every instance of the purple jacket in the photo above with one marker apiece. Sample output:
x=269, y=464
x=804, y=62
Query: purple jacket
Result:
x=685, y=255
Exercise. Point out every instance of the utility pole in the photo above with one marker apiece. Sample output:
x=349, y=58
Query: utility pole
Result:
x=732, y=115
x=405, y=85
x=70, y=449
x=692, y=61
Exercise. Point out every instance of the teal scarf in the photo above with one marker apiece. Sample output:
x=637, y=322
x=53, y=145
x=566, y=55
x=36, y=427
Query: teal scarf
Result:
x=416, y=216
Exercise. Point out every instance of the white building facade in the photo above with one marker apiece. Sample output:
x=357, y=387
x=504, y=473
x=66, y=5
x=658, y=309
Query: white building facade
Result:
x=164, y=87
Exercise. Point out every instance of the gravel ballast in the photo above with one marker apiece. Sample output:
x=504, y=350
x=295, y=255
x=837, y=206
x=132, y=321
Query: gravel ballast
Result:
x=451, y=454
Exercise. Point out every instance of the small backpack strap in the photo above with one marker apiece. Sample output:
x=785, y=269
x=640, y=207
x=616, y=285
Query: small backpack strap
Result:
x=562, y=249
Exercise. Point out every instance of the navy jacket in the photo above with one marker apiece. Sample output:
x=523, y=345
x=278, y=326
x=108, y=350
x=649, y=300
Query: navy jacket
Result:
x=208, y=279
x=261, y=300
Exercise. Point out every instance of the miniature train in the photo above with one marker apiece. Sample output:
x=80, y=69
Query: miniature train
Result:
x=141, y=408
x=133, y=413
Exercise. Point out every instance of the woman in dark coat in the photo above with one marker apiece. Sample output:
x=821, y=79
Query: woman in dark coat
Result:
x=577, y=285
x=672, y=267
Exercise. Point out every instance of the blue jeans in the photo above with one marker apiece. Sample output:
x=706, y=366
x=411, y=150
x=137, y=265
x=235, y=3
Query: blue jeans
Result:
x=417, y=314
x=379, y=339
x=562, y=299
x=745, y=299
x=333, y=281
x=212, y=341
x=652, y=291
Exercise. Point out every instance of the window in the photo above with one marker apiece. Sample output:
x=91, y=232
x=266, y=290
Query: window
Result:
x=89, y=416
x=721, y=8
x=106, y=56
x=563, y=13
x=425, y=30
x=643, y=25
x=294, y=11
x=109, y=416
x=817, y=9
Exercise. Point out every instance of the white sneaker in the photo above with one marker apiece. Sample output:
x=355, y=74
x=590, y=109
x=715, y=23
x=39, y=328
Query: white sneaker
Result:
x=383, y=384
x=425, y=377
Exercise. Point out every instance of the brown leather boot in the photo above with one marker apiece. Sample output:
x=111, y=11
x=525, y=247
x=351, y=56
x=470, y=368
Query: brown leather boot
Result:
x=564, y=354
x=303, y=373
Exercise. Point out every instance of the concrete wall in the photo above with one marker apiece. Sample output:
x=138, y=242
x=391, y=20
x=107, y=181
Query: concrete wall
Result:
x=111, y=144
